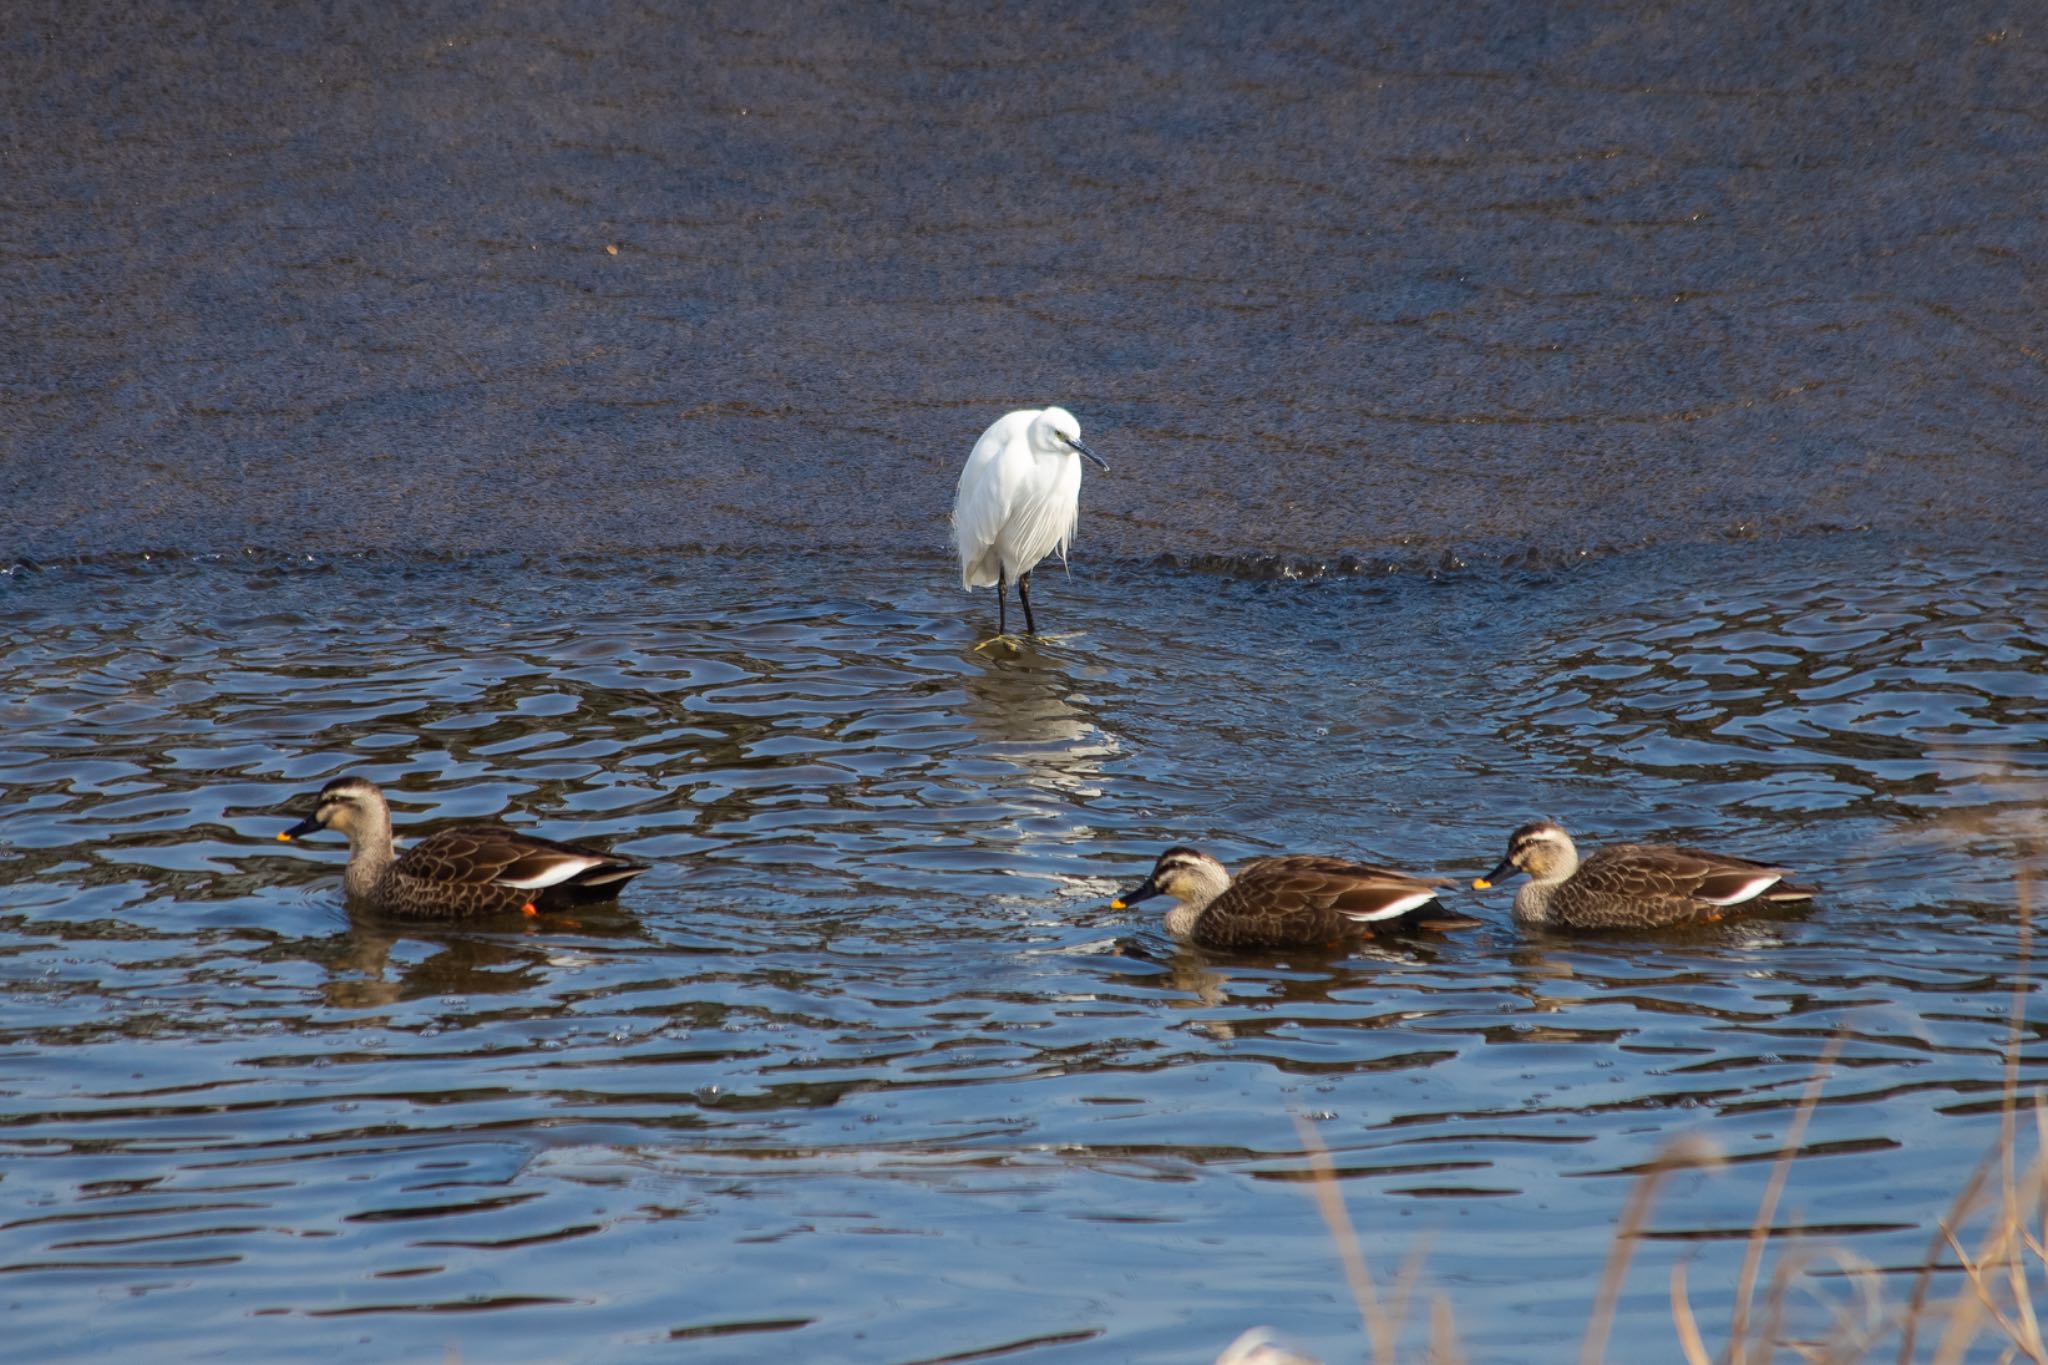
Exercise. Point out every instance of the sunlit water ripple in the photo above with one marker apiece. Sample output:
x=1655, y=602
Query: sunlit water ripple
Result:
x=865, y=1064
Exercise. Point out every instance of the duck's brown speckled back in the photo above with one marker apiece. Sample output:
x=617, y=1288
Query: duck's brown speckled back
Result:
x=1647, y=886
x=1311, y=901
x=464, y=871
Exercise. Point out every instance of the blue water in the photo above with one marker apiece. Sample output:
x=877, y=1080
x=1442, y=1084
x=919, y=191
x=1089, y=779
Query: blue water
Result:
x=865, y=1068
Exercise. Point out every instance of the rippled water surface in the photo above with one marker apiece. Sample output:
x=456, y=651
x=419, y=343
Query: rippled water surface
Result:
x=865, y=1069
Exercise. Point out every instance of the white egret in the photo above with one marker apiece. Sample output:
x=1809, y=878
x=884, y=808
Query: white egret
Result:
x=1019, y=499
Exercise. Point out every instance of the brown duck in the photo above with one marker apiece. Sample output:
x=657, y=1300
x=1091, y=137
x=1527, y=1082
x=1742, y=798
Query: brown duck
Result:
x=1631, y=886
x=1294, y=901
x=470, y=870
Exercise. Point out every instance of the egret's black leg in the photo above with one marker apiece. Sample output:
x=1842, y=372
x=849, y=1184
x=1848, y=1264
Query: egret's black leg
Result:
x=1002, y=620
x=1024, y=596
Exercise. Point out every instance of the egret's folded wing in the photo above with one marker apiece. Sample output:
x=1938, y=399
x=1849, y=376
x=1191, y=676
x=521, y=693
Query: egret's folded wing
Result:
x=1043, y=513
x=980, y=506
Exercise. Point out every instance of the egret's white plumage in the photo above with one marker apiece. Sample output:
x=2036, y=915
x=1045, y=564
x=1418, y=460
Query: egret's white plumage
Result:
x=1019, y=499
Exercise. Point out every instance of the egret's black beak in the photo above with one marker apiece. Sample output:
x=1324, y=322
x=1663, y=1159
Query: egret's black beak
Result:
x=1144, y=891
x=306, y=826
x=1506, y=869
x=1081, y=446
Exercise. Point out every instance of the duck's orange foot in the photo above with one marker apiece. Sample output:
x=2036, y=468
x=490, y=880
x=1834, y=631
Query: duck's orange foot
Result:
x=529, y=909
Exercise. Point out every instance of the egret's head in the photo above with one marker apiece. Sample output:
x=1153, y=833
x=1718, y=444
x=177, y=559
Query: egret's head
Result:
x=347, y=805
x=1056, y=432
x=1540, y=848
x=1182, y=873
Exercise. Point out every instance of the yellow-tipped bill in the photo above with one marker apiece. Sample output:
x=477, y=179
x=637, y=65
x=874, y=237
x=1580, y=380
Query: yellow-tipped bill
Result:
x=1143, y=891
x=1507, y=868
x=309, y=825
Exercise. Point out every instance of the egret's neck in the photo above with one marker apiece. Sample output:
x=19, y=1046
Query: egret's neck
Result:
x=369, y=854
x=1056, y=469
x=1200, y=887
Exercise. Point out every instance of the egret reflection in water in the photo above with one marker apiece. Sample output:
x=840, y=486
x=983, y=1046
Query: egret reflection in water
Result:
x=1029, y=711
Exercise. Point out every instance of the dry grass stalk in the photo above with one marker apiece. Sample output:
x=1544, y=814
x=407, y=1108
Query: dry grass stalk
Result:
x=2005, y=1246
x=1930, y=1261
x=1682, y=1154
x=1382, y=1322
x=1689, y=1339
x=1443, y=1334
x=1774, y=1302
x=1998, y=1278
x=1767, y=1210
x=1381, y=1329
x=2015, y=1221
x=1849, y=1336
x=2038, y=1242
x=2008, y=1242
x=1406, y=1283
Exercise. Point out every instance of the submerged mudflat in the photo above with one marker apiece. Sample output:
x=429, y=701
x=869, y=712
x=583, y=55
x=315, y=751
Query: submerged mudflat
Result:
x=1404, y=279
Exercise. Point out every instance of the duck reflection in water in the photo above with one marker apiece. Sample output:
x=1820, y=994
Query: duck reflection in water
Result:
x=1282, y=990
x=457, y=963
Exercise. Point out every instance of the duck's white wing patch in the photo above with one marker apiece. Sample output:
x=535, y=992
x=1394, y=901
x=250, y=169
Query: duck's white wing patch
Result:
x=554, y=874
x=1392, y=909
x=1741, y=891
x=617, y=874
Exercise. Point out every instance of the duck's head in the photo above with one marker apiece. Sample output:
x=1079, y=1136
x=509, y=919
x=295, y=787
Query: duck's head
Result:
x=347, y=805
x=1541, y=848
x=1185, y=874
x=1055, y=432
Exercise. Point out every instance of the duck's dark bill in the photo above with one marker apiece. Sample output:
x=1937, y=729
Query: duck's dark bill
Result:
x=300, y=830
x=1144, y=891
x=1506, y=869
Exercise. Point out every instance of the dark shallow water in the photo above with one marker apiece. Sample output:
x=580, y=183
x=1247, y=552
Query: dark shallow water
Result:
x=864, y=1069
x=1402, y=278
